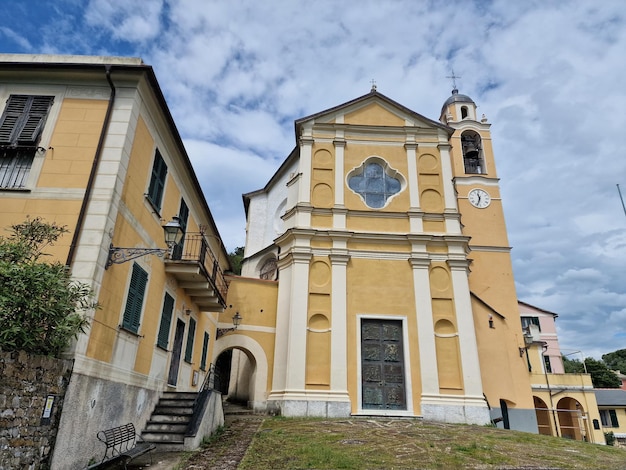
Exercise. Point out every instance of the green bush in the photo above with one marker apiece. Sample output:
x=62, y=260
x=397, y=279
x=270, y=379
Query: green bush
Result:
x=609, y=437
x=41, y=307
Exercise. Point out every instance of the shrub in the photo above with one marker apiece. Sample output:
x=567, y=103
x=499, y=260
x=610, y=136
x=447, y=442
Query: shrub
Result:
x=41, y=307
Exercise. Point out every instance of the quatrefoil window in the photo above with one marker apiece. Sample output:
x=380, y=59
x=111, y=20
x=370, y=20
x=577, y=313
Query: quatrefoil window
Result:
x=376, y=182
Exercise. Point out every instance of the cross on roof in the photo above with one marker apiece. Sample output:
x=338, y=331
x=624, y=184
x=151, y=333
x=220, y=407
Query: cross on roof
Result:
x=373, y=82
x=453, y=77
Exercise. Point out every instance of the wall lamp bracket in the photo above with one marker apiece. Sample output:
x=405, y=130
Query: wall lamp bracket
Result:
x=236, y=321
x=173, y=235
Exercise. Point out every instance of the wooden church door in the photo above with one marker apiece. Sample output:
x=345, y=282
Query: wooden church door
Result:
x=382, y=365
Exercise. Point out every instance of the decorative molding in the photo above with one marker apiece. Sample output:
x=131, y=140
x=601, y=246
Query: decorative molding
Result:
x=102, y=93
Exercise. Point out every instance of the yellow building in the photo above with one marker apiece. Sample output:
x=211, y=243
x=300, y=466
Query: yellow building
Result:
x=565, y=403
x=89, y=143
x=612, y=408
x=377, y=277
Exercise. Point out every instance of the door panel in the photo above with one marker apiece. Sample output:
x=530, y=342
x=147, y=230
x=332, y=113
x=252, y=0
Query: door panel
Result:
x=382, y=365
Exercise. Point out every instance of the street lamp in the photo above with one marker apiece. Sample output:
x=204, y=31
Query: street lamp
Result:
x=236, y=321
x=173, y=234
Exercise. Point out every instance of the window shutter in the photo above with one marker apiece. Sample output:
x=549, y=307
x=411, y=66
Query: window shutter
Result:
x=23, y=119
x=614, y=422
x=134, y=301
x=157, y=180
x=166, y=320
x=190, y=337
x=205, y=347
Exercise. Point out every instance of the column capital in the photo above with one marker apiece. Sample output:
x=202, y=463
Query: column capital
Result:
x=410, y=145
x=419, y=263
x=306, y=141
x=337, y=142
x=444, y=146
x=339, y=259
x=458, y=264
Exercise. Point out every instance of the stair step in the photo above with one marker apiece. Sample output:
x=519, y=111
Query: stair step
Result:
x=169, y=437
x=170, y=402
x=157, y=418
x=152, y=426
x=173, y=410
x=175, y=395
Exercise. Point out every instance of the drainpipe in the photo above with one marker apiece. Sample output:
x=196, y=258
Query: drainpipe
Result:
x=92, y=175
x=545, y=372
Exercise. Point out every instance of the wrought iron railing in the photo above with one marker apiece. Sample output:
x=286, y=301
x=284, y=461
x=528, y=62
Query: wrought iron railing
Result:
x=15, y=164
x=196, y=248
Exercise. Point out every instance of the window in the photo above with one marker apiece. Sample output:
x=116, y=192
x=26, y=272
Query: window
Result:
x=527, y=321
x=190, y=337
x=157, y=181
x=374, y=183
x=269, y=269
x=134, y=301
x=546, y=363
x=463, y=112
x=609, y=418
x=21, y=126
x=205, y=348
x=166, y=320
x=183, y=217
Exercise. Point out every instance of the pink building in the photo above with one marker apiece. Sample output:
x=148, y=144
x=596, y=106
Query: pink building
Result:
x=540, y=325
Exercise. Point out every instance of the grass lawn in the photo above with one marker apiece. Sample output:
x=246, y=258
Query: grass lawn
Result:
x=379, y=443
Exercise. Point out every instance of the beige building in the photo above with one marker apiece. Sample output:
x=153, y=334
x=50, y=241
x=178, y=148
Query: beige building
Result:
x=89, y=143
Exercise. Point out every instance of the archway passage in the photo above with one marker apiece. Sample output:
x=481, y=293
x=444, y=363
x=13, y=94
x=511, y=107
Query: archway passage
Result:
x=543, y=417
x=235, y=370
x=571, y=423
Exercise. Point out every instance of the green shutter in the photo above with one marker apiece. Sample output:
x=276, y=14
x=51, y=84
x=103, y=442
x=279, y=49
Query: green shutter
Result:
x=157, y=180
x=614, y=422
x=134, y=301
x=190, y=337
x=205, y=347
x=166, y=320
x=23, y=119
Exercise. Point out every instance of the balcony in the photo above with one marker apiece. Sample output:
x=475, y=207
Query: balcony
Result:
x=198, y=272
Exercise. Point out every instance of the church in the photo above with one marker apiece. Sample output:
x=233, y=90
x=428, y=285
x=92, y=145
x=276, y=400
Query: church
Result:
x=377, y=275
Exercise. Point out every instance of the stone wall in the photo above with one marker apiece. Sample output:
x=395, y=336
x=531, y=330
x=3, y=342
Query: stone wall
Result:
x=26, y=381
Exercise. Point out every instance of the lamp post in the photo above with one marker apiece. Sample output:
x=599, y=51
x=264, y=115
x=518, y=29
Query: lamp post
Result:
x=236, y=321
x=173, y=234
x=582, y=358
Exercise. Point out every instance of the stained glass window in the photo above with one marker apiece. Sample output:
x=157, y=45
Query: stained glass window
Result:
x=374, y=185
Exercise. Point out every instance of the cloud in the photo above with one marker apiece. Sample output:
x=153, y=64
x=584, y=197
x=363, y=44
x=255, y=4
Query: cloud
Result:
x=548, y=76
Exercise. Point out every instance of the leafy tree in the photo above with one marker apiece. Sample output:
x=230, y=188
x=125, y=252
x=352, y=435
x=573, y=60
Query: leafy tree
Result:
x=616, y=360
x=601, y=375
x=572, y=366
x=236, y=258
x=40, y=305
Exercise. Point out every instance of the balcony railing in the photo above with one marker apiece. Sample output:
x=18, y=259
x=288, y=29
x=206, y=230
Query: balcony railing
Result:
x=197, y=252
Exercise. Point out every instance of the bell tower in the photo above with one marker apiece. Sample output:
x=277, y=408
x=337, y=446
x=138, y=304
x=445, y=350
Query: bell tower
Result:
x=491, y=282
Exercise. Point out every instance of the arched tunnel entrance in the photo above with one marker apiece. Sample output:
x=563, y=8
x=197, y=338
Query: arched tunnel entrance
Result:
x=235, y=369
x=241, y=371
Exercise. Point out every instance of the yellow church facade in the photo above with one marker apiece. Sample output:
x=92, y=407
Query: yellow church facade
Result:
x=377, y=277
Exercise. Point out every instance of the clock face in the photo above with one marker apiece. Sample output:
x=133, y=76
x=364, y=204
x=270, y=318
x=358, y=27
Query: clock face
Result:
x=479, y=198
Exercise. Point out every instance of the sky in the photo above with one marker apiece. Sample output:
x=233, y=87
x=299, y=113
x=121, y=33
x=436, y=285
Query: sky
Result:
x=549, y=76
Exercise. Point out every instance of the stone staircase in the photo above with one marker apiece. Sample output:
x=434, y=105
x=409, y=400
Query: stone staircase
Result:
x=169, y=421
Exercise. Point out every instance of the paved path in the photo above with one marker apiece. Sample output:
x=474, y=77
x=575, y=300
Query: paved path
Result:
x=240, y=426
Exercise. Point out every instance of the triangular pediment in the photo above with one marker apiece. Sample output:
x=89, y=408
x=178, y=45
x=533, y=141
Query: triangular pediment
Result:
x=373, y=109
